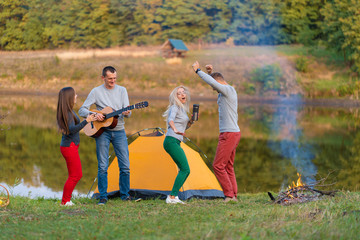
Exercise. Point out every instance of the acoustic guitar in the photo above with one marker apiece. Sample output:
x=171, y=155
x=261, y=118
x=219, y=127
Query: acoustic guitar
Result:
x=95, y=129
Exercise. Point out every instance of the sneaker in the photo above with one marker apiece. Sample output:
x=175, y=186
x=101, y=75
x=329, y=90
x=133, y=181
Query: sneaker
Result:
x=235, y=199
x=102, y=201
x=67, y=204
x=173, y=200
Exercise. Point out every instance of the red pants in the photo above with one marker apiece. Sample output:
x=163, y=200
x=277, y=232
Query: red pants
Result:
x=73, y=163
x=224, y=162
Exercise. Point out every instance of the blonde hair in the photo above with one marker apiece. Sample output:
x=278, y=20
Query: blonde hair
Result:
x=174, y=100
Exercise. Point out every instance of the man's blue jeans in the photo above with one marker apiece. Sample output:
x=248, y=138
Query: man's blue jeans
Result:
x=119, y=142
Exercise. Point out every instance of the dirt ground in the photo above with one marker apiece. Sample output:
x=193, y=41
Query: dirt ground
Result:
x=9, y=87
x=82, y=53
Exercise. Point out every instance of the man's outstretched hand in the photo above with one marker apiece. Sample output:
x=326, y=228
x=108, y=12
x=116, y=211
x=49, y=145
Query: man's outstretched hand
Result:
x=196, y=65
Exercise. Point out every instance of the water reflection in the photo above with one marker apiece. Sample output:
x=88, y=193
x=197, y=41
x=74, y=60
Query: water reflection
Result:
x=29, y=148
x=40, y=191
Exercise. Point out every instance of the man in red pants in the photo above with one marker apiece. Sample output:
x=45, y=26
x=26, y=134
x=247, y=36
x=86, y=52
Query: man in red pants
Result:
x=229, y=130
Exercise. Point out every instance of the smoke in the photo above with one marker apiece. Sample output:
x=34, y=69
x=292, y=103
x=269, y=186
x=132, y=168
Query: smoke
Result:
x=291, y=143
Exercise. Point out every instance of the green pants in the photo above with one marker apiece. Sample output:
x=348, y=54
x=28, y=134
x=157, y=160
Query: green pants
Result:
x=172, y=147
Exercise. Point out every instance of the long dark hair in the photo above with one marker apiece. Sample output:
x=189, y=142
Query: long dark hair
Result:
x=64, y=107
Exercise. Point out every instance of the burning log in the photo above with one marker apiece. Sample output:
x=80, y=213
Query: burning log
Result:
x=299, y=193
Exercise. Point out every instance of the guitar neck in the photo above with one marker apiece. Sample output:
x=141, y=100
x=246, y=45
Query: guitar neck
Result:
x=113, y=114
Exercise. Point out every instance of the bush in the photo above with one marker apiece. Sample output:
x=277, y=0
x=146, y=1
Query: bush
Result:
x=344, y=90
x=348, y=89
x=302, y=64
x=269, y=76
x=249, y=88
x=19, y=76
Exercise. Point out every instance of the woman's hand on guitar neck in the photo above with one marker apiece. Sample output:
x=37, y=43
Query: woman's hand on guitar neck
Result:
x=91, y=118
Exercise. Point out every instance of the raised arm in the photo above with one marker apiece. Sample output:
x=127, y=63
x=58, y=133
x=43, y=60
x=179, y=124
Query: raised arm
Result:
x=221, y=88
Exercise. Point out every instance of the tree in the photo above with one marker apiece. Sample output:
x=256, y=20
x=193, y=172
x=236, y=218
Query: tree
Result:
x=184, y=19
x=122, y=22
x=301, y=20
x=54, y=31
x=341, y=29
x=12, y=13
x=219, y=16
x=256, y=22
x=148, y=30
x=33, y=34
x=89, y=21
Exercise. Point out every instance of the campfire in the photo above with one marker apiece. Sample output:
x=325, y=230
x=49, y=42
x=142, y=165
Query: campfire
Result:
x=300, y=193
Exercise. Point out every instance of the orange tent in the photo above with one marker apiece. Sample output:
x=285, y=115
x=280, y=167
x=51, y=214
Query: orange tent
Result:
x=153, y=172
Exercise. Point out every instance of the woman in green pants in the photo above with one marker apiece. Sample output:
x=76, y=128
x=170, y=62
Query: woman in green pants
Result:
x=177, y=122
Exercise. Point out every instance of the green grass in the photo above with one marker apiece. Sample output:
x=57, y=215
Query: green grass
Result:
x=325, y=84
x=290, y=50
x=320, y=53
x=253, y=217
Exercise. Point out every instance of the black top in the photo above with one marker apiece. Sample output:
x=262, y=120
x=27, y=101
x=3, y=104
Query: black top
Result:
x=73, y=136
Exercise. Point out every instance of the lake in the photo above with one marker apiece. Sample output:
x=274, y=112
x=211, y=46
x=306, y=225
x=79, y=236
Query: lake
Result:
x=279, y=139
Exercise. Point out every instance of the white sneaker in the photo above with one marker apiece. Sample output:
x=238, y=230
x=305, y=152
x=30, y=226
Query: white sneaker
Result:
x=174, y=200
x=69, y=203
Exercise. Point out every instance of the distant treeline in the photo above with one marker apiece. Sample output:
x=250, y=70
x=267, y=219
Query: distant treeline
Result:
x=49, y=24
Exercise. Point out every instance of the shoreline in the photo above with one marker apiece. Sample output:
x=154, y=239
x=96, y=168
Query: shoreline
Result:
x=346, y=103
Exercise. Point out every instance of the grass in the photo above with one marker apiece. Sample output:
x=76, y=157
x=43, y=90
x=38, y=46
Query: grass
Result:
x=322, y=84
x=328, y=55
x=253, y=217
x=151, y=74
